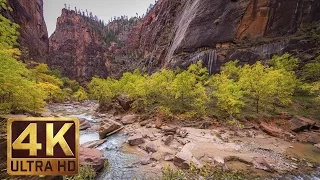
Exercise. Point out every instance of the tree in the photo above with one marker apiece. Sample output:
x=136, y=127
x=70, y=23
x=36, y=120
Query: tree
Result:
x=135, y=86
x=228, y=93
x=41, y=73
x=201, y=73
x=103, y=90
x=286, y=62
x=283, y=84
x=52, y=91
x=311, y=71
x=253, y=79
x=267, y=85
x=190, y=94
x=17, y=92
x=159, y=91
x=80, y=95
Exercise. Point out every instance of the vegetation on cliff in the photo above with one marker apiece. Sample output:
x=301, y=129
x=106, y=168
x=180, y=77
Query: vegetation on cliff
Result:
x=233, y=93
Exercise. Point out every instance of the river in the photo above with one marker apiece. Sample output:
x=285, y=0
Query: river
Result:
x=123, y=159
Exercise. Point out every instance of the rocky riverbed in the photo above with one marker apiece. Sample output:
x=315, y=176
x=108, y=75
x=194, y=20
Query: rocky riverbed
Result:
x=139, y=146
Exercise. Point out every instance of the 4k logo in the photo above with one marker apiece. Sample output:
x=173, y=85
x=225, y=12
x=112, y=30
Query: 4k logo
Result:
x=43, y=146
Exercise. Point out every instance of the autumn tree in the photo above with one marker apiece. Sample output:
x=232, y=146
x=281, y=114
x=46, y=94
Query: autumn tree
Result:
x=80, y=95
x=227, y=91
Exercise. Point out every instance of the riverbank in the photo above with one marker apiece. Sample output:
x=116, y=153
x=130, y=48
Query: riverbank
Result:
x=156, y=144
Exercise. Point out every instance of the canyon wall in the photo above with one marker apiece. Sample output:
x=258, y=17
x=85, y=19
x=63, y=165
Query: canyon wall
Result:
x=76, y=49
x=178, y=33
x=33, y=39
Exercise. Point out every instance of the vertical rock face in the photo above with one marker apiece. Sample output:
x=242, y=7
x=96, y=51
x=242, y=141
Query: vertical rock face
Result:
x=75, y=48
x=178, y=33
x=33, y=39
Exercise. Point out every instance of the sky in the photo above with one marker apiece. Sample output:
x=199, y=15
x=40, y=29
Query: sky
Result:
x=104, y=9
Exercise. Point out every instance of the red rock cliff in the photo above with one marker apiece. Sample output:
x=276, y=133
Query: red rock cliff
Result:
x=75, y=48
x=178, y=33
x=33, y=39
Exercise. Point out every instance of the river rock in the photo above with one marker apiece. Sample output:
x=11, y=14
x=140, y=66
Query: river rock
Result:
x=182, y=133
x=158, y=122
x=169, y=129
x=261, y=163
x=135, y=140
x=184, y=158
x=317, y=145
x=129, y=119
x=84, y=124
x=146, y=160
x=168, y=157
x=144, y=123
x=151, y=148
x=93, y=144
x=299, y=123
x=124, y=102
x=92, y=157
x=275, y=131
x=108, y=126
x=168, y=140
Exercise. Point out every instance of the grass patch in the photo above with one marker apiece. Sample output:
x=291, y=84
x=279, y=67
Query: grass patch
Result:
x=206, y=173
x=86, y=172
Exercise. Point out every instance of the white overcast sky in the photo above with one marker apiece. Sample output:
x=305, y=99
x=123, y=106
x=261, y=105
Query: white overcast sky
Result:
x=104, y=9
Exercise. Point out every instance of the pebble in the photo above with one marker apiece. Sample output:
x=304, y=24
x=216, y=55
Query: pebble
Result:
x=309, y=165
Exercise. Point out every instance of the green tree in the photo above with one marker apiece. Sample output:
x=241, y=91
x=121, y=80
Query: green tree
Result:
x=103, y=90
x=286, y=62
x=190, y=95
x=80, y=95
x=254, y=80
x=159, y=88
x=202, y=73
x=228, y=93
x=42, y=74
x=311, y=71
x=17, y=92
x=135, y=86
x=267, y=85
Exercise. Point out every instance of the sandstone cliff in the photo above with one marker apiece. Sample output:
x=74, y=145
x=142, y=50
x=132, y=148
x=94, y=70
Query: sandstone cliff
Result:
x=76, y=49
x=181, y=32
x=178, y=33
x=82, y=46
x=33, y=39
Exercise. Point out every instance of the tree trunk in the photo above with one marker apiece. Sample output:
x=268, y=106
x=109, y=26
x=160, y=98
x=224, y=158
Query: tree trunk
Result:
x=257, y=103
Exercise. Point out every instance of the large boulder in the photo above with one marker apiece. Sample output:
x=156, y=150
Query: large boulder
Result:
x=124, y=102
x=184, y=158
x=299, y=123
x=151, y=148
x=129, y=119
x=135, y=140
x=92, y=157
x=112, y=108
x=108, y=126
x=84, y=124
x=310, y=137
x=275, y=131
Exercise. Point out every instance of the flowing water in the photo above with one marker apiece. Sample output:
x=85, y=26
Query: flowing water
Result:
x=123, y=162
